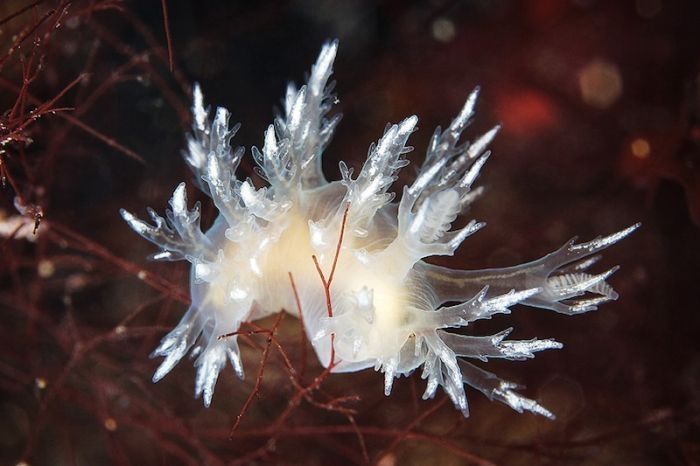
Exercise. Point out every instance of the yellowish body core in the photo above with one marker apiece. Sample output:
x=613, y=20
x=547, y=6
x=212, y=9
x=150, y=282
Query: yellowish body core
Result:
x=249, y=270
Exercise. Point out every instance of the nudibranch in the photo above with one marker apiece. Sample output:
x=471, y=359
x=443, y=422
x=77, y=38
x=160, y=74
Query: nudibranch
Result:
x=389, y=308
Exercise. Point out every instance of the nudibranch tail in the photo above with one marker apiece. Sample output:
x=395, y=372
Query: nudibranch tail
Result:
x=390, y=309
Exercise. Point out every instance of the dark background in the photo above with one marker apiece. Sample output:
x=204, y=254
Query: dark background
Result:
x=600, y=103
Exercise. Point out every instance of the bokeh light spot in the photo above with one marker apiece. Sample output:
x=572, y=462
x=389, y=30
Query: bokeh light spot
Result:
x=443, y=29
x=600, y=83
x=640, y=148
x=110, y=424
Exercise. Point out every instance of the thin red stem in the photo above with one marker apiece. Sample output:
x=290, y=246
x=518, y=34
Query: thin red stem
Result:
x=12, y=16
x=259, y=378
x=302, y=333
x=168, y=39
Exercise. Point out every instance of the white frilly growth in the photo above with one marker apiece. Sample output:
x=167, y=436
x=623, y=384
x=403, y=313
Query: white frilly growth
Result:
x=392, y=310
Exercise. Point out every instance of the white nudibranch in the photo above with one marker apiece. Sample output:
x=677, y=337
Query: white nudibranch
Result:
x=389, y=307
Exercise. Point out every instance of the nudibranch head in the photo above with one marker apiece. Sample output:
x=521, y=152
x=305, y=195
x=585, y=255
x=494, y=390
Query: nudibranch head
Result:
x=368, y=297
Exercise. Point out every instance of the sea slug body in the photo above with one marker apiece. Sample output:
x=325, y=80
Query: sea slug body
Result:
x=389, y=306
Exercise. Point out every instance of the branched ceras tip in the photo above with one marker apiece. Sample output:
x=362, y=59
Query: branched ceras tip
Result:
x=386, y=307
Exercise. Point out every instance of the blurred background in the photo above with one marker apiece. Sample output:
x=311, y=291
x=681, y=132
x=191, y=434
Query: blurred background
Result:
x=600, y=106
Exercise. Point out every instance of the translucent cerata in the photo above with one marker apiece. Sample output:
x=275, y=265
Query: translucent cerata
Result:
x=357, y=255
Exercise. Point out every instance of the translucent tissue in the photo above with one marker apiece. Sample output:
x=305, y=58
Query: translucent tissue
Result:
x=389, y=306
